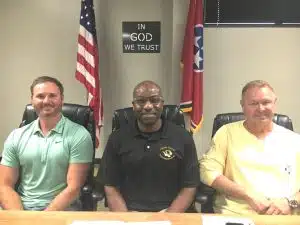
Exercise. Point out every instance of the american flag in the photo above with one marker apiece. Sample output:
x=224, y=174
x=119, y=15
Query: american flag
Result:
x=192, y=60
x=87, y=66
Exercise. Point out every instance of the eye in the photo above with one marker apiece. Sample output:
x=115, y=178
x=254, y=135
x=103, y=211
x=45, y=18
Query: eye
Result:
x=40, y=96
x=52, y=95
x=140, y=101
x=253, y=104
x=266, y=102
x=155, y=100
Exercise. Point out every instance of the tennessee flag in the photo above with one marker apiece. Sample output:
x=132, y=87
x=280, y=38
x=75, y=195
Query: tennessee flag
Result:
x=192, y=63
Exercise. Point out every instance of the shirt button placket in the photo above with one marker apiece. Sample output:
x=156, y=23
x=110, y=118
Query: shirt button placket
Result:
x=44, y=149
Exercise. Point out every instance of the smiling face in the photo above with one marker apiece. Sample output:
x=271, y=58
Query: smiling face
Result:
x=148, y=105
x=47, y=99
x=258, y=104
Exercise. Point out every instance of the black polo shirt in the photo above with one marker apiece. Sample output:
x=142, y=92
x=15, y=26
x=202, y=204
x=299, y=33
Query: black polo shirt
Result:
x=150, y=169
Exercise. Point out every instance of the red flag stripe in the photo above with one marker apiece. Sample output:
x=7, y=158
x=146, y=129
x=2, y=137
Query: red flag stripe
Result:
x=88, y=47
x=86, y=69
x=88, y=60
x=88, y=36
x=80, y=77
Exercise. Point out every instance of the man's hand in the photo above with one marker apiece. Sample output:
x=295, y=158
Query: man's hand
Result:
x=279, y=207
x=258, y=204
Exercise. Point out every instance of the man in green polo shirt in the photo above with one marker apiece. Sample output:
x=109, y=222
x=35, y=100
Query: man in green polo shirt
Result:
x=48, y=158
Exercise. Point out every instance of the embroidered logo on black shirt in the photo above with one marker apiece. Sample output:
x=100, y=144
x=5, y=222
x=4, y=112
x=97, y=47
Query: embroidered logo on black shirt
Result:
x=167, y=153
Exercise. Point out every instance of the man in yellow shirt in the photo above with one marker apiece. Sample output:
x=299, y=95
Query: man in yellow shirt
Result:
x=254, y=164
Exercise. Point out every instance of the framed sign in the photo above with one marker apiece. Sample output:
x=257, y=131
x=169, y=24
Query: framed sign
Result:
x=141, y=37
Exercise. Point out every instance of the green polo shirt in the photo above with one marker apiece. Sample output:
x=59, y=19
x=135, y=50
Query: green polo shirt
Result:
x=44, y=160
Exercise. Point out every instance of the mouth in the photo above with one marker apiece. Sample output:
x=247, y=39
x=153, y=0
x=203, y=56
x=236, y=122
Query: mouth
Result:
x=47, y=108
x=148, y=115
x=262, y=117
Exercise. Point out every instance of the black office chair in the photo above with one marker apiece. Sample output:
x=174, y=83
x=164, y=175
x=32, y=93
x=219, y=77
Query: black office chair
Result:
x=219, y=121
x=82, y=115
x=124, y=117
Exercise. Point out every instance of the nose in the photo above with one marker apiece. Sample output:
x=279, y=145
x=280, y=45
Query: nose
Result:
x=148, y=105
x=261, y=107
x=46, y=99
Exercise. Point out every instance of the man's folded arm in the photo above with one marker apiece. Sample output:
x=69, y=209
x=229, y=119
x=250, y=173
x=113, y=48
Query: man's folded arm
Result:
x=115, y=200
x=77, y=173
x=111, y=174
x=9, y=198
x=212, y=165
x=183, y=200
x=190, y=178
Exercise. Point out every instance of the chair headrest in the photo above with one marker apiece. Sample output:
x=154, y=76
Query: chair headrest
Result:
x=225, y=118
x=77, y=113
x=125, y=116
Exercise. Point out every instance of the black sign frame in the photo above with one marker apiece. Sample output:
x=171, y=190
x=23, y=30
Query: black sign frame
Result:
x=141, y=37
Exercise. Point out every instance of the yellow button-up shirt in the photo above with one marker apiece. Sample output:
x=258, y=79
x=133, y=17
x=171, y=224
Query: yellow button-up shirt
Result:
x=268, y=167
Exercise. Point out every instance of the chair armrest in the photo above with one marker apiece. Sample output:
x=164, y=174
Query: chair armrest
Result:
x=86, y=197
x=203, y=188
x=98, y=194
x=201, y=198
x=87, y=189
x=205, y=196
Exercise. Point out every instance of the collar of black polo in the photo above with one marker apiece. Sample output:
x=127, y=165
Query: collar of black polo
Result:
x=161, y=133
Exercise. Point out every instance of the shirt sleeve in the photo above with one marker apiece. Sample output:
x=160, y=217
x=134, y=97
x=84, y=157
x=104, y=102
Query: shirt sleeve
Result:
x=82, y=150
x=111, y=172
x=190, y=170
x=9, y=154
x=212, y=164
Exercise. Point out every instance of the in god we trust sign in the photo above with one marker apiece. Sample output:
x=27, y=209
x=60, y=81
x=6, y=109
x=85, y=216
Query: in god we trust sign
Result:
x=141, y=37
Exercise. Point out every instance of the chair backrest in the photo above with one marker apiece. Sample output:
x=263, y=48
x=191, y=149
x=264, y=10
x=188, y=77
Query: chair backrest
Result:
x=123, y=117
x=225, y=118
x=219, y=121
x=82, y=115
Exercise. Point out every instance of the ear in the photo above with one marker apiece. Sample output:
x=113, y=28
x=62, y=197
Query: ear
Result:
x=241, y=103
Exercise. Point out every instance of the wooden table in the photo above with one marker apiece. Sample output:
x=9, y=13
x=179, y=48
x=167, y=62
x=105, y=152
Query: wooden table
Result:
x=66, y=218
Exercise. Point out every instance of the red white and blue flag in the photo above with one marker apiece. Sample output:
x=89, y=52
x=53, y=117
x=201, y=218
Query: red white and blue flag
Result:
x=192, y=62
x=87, y=68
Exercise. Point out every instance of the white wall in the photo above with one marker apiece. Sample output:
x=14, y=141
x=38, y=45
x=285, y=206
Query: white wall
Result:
x=234, y=56
x=39, y=38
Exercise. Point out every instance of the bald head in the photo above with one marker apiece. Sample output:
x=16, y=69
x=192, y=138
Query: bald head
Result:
x=146, y=86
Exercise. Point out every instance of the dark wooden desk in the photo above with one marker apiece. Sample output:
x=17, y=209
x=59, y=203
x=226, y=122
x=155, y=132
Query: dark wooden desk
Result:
x=66, y=218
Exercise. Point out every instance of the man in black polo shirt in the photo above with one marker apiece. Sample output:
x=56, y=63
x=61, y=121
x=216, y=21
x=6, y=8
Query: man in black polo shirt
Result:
x=151, y=165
